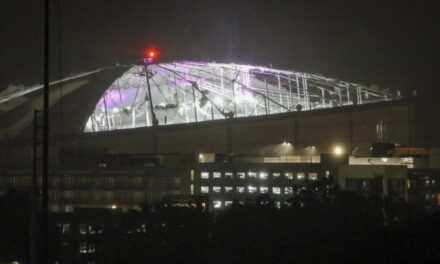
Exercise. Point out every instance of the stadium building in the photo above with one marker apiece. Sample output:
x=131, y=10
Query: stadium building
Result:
x=123, y=135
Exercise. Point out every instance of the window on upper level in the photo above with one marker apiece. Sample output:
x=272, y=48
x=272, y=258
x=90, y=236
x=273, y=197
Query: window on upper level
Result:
x=83, y=229
x=276, y=190
x=204, y=189
x=204, y=175
x=263, y=175
x=252, y=189
x=216, y=175
x=276, y=175
x=313, y=176
x=264, y=189
x=252, y=174
x=289, y=175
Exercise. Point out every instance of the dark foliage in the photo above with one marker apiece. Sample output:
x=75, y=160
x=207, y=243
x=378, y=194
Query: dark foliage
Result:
x=318, y=226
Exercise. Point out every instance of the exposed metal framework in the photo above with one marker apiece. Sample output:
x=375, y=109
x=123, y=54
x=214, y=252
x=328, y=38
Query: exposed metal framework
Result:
x=184, y=92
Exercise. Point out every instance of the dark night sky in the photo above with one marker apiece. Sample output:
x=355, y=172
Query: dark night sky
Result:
x=394, y=44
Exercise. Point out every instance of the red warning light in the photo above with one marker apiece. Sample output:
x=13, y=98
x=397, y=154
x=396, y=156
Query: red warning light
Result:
x=151, y=54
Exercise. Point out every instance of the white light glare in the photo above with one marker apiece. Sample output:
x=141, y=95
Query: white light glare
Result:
x=337, y=150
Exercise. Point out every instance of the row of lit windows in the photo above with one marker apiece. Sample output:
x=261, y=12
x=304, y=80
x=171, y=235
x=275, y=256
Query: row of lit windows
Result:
x=260, y=175
x=217, y=204
x=248, y=189
x=86, y=229
x=429, y=183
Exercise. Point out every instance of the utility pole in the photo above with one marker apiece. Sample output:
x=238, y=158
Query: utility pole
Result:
x=45, y=165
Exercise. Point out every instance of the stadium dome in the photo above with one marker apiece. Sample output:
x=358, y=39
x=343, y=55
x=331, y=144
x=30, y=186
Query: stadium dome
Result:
x=184, y=92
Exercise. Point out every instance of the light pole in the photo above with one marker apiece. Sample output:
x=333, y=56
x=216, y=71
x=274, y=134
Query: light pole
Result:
x=45, y=167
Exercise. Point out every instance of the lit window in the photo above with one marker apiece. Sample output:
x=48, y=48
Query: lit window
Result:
x=264, y=189
x=276, y=190
x=252, y=189
x=216, y=189
x=68, y=208
x=228, y=175
x=278, y=205
x=206, y=157
x=276, y=175
x=83, y=248
x=327, y=174
x=263, y=175
x=228, y=189
x=365, y=185
x=192, y=175
x=241, y=175
x=204, y=175
x=240, y=189
x=288, y=190
x=313, y=176
x=216, y=174
x=300, y=175
x=228, y=203
x=252, y=174
x=217, y=204
x=83, y=229
x=65, y=228
x=204, y=189
x=91, y=230
x=92, y=248
x=289, y=175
